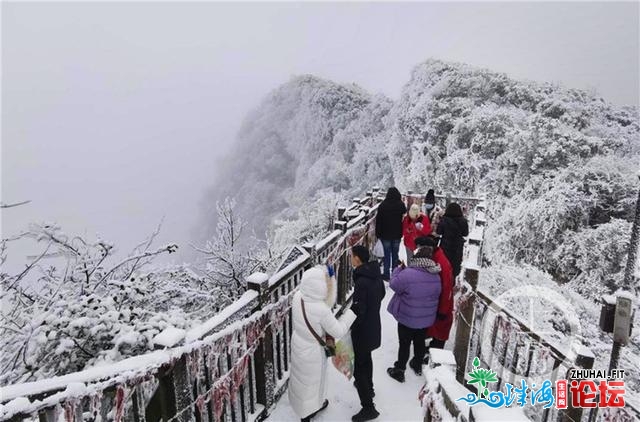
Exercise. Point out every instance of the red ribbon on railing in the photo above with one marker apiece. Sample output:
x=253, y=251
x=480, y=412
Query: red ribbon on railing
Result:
x=253, y=333
x=200, y=405
x=219, y=394
x=194, y=362
x=238, y=375
x=70, y=411
x=120, y=395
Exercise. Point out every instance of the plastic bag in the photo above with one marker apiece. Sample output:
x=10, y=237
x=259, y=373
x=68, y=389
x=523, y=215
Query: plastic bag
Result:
x=343, y=359
x=378, y=249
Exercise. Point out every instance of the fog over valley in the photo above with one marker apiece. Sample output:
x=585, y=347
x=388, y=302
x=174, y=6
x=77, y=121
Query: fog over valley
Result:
x=119, y=115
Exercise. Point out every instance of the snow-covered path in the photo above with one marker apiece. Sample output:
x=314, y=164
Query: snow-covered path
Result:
x=394, y=401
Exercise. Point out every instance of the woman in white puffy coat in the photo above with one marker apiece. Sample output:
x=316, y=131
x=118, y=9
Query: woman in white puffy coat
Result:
x=308, y=377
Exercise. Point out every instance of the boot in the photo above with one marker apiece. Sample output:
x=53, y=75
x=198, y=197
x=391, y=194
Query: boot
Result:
x=416, y=366
x=365, y=414
x=396, y=374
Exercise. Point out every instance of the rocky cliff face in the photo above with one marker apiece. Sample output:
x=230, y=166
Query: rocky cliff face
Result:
x=557, y=164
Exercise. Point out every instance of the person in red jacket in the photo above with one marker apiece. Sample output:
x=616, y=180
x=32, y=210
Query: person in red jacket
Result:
x=439, y=331
x=415, y=224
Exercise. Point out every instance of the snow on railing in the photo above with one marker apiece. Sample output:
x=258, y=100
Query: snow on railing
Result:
x=500, y=339
x=233, y=367
x=440, y=394
x=220, y=318
x=508, y=345
x=125, y=388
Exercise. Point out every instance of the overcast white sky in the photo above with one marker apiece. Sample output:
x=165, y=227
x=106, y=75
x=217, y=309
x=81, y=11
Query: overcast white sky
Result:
x=114, y=114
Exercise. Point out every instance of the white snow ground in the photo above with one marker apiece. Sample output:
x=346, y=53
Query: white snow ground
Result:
x=395, y=401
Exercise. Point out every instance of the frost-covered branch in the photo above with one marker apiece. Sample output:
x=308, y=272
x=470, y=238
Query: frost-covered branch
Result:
x=229, y=257
x=17, y=204
x=171, y=248
x=144, y=246
x=59, y=318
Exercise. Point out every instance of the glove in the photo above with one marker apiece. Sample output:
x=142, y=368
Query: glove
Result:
x=330, y=270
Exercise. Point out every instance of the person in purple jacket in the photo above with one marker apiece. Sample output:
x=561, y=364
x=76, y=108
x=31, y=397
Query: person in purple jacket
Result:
x=415, y=306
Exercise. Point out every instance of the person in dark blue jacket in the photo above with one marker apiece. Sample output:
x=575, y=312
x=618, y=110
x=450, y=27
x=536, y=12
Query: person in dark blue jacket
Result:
x=453, y=228
x=366, y=330
x=389, y=228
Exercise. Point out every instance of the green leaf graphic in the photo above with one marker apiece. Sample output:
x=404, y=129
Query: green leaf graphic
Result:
x=482, y=376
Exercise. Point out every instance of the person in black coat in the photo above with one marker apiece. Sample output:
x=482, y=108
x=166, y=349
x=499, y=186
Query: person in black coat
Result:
x=389, y=228
x=366, y=330
x=453, y=228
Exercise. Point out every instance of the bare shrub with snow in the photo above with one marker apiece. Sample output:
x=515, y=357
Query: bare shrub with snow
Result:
x=74, y=306
x=308, y=221
x=231, y=255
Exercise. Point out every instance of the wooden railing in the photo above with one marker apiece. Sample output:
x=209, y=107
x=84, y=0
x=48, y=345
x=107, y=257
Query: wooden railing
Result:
x=233, y=367
x=501, y=340
x=440, y=394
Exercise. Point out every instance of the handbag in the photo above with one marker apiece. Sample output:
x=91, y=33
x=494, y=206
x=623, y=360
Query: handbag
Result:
x=344, y=358
x=378, y=249
x=329, y=344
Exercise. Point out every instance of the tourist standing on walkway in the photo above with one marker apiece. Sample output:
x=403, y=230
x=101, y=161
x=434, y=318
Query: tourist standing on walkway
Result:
x=312, y=316
x=366, y=330
x=432, y=210
x=415, y=224
x=414, y=305
x=389, y=228
x=453, y=228
x=439, y=331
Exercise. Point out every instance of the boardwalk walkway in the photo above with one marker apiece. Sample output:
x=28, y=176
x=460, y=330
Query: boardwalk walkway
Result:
x=395, y=402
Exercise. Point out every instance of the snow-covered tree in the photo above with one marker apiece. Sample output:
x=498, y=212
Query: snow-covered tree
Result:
x=308, y=221
x=229, y=258
x=557, y=165
x=281, y=143
x=74, y=305
x=592, y=260
x=552, y=161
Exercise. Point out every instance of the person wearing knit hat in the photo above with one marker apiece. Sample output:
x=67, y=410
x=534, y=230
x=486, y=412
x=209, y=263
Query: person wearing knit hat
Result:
x=414, y=225
x=432, y=210
x=453, y=228
x=416, y=295
x=430, y=197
